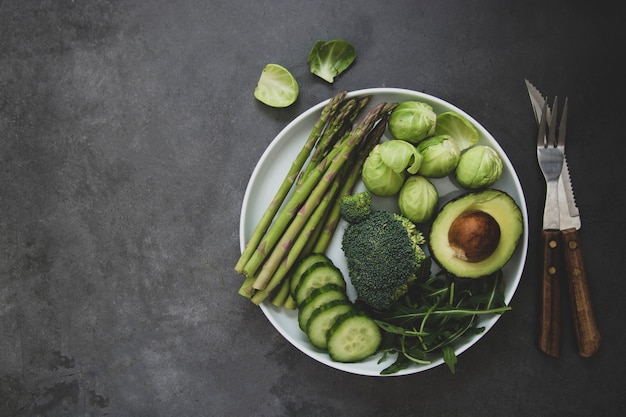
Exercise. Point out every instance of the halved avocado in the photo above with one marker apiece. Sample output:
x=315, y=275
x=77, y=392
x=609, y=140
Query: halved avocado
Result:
x=476, y=234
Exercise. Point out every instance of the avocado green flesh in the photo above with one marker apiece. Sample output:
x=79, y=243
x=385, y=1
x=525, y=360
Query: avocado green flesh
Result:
x=494, y=202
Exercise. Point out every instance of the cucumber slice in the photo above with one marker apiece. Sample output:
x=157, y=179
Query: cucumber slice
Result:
x=303, y=266
x=316, y=276
x=323, y=318
x=318, y=297
x=353, y=337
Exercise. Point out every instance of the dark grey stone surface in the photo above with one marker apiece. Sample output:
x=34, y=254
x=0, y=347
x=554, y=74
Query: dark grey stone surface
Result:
x=128, y=132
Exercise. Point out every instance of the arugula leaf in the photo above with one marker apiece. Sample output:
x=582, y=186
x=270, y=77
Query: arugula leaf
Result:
x=437, y=311
x=449, y=357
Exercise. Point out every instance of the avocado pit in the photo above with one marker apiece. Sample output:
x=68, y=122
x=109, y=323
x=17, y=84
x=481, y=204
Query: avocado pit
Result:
x=474, y=235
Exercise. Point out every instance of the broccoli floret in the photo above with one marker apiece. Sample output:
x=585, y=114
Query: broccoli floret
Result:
x=356, y=207
x=383, y=254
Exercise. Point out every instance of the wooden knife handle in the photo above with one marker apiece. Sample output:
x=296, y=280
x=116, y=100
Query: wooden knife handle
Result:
x=550, y=315
x=584, y=320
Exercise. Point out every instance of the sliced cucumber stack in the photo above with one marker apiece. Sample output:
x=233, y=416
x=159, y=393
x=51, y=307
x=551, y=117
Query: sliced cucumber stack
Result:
x=326, y=315
x=318, y=297
x=301, y=268
x=323, y=319
x=316, y=276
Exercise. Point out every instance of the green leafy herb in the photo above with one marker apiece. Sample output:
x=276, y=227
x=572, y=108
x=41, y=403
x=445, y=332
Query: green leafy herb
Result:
x=437, y=311
x=449, y=357
x=328, y=59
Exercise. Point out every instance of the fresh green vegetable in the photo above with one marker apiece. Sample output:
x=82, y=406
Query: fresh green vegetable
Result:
x=412, y=121
x=328, y=59
x=323, y=318
x=418, y=199
x=299, y=162
x=435, y=312
x=331, y=322
x=284, y=295
x=417, y=315
x=322, y=295
x=400, y=156
x=285, y=230
x=320, y=239
x=383, y=254
x=302, y=266
x=276, y=86
x=378, y=178
x=479, y=167
x=356, y=207
x=315, y=277
x=316, y=235
x=353, y=337
x=441, y=156
x=461, y=130
x=385, y=168
x=269, y=254
x=476, y=233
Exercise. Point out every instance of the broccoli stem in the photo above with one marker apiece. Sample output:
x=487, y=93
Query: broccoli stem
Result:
x=315, y=193
x=281, y=194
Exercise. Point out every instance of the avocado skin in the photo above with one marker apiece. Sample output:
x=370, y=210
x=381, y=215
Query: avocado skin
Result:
x=502, y=207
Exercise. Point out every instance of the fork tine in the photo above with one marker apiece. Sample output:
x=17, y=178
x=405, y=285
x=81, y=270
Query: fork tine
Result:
x=563, y=126
x=541, y=136
x=553, y=122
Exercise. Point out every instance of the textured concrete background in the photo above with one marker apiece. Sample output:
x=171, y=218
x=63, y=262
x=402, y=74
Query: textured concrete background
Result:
x=128, y=133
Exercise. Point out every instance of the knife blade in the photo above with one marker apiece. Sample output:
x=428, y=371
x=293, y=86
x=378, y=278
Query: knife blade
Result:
x=587, y=333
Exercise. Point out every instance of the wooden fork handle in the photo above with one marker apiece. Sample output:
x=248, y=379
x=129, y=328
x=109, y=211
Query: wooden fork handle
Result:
x=587, y=332
x=550, y=314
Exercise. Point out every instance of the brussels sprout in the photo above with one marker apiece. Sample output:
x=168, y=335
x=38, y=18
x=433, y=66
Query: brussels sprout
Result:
x=400, y=156
x=441, y=156
x=479, y=167
x=412, y=121
x=462, y=132
x=418, y=199
x=329, y=59
x=385, y=167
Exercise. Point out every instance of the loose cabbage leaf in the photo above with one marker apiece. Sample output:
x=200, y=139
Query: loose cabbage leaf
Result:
x=328, y=59
x=461, y=130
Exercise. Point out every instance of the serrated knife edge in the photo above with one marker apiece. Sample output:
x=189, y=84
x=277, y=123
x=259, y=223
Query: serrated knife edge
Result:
x=569, y=191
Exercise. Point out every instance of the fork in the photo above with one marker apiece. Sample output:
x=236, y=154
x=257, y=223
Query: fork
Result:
x=550, y=155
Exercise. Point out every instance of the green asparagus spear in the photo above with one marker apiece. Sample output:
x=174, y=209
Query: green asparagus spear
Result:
x=314, y=195
x=288, y=182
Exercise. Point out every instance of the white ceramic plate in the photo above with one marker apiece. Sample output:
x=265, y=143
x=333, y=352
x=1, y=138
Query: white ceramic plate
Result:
x=272, y=168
